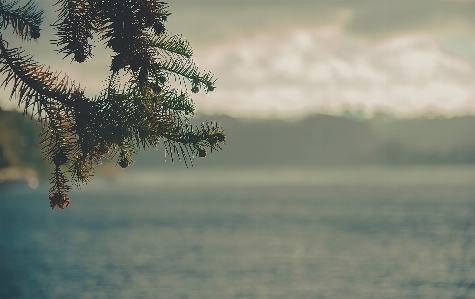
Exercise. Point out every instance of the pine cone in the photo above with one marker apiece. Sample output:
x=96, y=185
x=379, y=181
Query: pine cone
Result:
x=60, y=200
x=201, y=152
x=60, y=158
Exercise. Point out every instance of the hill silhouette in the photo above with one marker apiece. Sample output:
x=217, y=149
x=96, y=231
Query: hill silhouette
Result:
x=336, y=140
x=312, y=141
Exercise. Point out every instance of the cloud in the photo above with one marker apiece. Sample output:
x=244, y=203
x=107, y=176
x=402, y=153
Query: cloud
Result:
x=325, y=68
x=320, y=69
x=214, y=22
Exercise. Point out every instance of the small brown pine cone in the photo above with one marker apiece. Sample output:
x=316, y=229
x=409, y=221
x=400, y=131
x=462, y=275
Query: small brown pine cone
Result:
x=59, y=200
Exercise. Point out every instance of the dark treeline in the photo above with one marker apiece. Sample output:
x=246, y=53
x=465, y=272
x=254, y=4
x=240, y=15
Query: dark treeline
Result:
x=315, y=140
x=19, y=139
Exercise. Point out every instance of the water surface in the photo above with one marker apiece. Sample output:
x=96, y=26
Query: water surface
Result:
x=327, y=233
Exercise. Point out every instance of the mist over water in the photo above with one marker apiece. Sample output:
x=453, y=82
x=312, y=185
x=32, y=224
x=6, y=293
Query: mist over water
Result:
x=354, y=232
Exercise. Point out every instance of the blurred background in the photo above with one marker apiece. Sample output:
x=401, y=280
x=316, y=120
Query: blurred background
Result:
x=349, y=168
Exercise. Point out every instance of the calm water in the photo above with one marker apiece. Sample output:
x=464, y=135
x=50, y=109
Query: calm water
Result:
x=344, y=233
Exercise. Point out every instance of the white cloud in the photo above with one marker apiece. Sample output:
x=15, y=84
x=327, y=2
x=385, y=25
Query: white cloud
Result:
x=319, y=69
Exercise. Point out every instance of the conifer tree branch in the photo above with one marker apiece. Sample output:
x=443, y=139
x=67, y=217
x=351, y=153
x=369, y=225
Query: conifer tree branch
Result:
x=186, y=68
x=25, y=20
x=58, y=143
x=74, y=28
x=175, y=44
x=179, y=102
x=32, y=83
x=78, y=132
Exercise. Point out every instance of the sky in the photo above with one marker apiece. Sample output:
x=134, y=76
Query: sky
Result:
x=288, y=57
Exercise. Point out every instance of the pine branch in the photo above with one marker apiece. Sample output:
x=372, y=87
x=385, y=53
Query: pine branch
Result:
x=25, y=20
x=209, y=134
x=58, y=144
x=123, y=27
x=79, y=132
x=175, y=44
x=33, y=84
x=161, y=95
x=74, y=28
x=178, y=102
x=186, y=68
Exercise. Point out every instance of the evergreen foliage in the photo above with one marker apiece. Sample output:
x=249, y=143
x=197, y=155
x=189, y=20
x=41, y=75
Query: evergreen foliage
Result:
x=78, y=132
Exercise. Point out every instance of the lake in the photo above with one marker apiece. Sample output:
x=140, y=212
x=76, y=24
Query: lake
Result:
x=348, y=232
